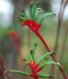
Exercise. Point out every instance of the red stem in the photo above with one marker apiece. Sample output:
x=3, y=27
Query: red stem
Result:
x=34, y=75
x=44, y=42
x=53, y=55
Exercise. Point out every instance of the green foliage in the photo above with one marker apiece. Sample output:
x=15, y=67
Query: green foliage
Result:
x=45, y=76
x=44, y=56
x=45, y=15
x=49, y=62
x=33, y=51
x=31, y=55
x=34, y=11
x=18, y=72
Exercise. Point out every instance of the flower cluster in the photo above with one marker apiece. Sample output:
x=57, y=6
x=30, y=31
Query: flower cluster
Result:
x=32, y=20
x=35, y=69
x=35, y=65
x=32, y=25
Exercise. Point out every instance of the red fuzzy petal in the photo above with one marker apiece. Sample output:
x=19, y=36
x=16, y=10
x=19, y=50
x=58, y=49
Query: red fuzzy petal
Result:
x=31, y=24
x=34, y=75
x=34, y=67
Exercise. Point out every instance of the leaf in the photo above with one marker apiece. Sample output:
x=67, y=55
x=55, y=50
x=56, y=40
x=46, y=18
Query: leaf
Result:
x=38, y=10
x=23, y=16
x=21, y=19
x=31, y=54
x=33, y=51
x=23, y=13
x=45, y=15
x=44, y=56
x=49, y=62
x=31, y=6
x=18, y=72
x=29, y=57
x=44, y=76
x=34, y=9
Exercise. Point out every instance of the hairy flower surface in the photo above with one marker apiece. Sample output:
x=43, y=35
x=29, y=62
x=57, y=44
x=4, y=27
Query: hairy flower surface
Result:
x=35, y=69
x=32, y=25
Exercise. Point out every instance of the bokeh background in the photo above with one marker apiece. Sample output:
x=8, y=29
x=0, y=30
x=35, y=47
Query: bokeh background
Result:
x=9, y=12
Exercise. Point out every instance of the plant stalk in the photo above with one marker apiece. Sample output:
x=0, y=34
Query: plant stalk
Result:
x=60, y=18
x=64, y=44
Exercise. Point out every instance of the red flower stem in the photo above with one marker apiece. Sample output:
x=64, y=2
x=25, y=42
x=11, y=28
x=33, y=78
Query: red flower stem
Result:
x=36, y=78
x=44, y=42
x=34, y=75
x=53, y=55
